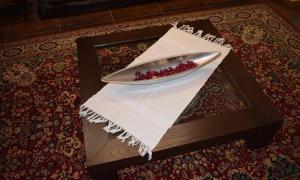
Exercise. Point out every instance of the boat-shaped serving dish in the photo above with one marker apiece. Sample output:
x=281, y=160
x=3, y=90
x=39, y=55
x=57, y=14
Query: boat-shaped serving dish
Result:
x=163, y=69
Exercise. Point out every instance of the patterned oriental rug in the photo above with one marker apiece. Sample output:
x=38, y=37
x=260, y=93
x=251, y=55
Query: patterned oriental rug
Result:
x=40, y=130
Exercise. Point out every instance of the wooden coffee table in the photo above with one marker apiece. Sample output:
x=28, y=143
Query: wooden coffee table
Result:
x=256, y=124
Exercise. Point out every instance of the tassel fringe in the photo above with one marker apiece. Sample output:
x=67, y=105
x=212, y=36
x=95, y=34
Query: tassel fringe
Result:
x=113, y=128
x=209, y=37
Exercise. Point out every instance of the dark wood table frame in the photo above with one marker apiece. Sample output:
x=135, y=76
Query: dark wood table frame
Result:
x=256, y=124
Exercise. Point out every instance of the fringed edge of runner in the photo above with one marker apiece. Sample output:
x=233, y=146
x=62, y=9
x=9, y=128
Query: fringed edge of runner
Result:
x=209, y=37
x=111, y=127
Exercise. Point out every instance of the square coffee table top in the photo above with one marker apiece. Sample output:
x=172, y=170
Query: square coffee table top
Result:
x=257, y=124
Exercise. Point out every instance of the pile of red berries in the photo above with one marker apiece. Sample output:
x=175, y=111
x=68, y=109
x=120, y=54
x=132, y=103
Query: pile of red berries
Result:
x=165, y=72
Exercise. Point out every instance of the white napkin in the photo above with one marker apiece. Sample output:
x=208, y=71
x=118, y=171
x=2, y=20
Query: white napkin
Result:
x=143, y=113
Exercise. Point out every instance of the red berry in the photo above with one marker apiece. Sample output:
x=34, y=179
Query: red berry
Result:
x=166, y=71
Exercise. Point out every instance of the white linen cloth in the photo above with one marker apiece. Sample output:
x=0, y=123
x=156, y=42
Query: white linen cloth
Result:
x=143, y=113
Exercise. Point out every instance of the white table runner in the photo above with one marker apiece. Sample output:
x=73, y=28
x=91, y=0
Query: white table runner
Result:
x=143, y=113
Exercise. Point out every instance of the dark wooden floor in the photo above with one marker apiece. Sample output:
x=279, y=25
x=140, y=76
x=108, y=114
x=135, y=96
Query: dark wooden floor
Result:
x=14, y=27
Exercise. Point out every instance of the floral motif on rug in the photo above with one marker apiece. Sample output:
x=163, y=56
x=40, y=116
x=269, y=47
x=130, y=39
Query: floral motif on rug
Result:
x=40, y=129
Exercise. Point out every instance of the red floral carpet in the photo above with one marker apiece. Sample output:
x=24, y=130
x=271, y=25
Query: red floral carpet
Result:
x=40, y=130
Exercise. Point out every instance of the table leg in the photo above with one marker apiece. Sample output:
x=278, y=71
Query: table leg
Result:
x=262, y=137
x=110, y=174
